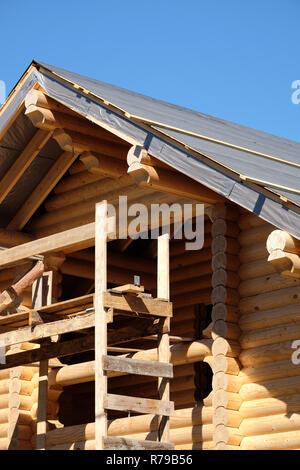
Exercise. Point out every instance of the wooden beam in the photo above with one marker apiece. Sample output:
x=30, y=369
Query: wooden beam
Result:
x=9, y=238
x=163, y=350
x=71, y=240
x=280, y=240
x=138, y=405
x=138, y=367
x=137, y=304
x=172, y=182
x=100, y=324
x=284, y=253
x=58, y=169
x=50, y=120
x=21, y=164
x=47, y=330
x=75, y=141
x=12, y=293
x=38, y=102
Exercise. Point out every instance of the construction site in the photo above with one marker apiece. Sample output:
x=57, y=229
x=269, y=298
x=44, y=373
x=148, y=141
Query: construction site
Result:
x=113, y=342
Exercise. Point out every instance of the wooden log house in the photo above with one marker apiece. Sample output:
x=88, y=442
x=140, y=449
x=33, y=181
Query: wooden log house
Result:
x=119, y=343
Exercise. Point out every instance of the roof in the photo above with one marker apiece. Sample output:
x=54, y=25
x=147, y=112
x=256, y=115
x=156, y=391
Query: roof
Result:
x=258, y=171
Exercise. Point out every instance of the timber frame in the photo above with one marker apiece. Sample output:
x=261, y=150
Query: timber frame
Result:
x=195, y=352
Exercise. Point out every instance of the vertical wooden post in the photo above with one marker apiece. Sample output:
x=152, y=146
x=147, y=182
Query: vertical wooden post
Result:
x=100, y=323
x=163, y=292
x=42, y=295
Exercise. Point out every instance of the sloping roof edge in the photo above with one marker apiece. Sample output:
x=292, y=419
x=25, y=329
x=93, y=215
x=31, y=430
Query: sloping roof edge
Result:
x=255, y=199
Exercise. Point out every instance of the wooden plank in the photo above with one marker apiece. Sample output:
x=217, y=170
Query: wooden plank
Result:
x=100, y=323
x=138, y=367
x=21, y=164
x=49, y=351
x=14, y=318
x=68, y=241
x=163, y=291
x=39, y=194
x=123, y=443
x=138, y=405
x=48, y=329
x=132, y=303
x=69, y=306
x=128, y=289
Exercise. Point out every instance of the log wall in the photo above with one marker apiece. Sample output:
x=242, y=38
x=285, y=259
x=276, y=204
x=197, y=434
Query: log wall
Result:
x=270, y=321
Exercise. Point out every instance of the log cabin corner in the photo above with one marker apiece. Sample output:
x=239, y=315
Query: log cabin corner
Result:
x=122, y=343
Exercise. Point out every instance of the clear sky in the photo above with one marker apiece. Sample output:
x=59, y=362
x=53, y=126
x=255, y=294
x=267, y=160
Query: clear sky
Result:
x=234, y=59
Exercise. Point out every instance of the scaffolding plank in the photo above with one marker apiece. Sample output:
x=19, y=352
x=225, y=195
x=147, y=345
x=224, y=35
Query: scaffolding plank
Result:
x=48, y=329
x=138, y=405
x=137, y=304
x=138, y=367
x=122, y=443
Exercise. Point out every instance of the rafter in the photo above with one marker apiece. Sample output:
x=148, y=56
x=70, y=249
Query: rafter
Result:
x=40, y=193
x=21, y=164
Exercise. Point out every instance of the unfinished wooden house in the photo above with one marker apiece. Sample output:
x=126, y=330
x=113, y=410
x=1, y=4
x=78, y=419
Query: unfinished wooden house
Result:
x=122, y=343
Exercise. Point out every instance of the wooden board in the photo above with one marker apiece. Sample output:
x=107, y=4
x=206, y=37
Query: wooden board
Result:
x=138, y=367
x=49, y=329
x=138, y=405
x=122, y=443
x=134, y=304
x=68, y=241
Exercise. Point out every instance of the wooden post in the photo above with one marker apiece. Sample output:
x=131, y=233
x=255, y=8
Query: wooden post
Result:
x=163, y=292
x=100, y=323
x=42, y=295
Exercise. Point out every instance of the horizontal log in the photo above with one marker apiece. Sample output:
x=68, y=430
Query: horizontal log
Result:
x=255, y=269
x=71, y=182
x=268, y=353
x=255, y=252
x=268, y=371
x=264, y=284
x=86, y=192
x=51, y=119
x=249, y=220
x=267, y=318
x=270, y=388
x=78, y=142
x=270, y=424
x=172, y=182
x=283, y=241
x=269, y=300
x=255, y=235
x=272, y=441
x=271, y=335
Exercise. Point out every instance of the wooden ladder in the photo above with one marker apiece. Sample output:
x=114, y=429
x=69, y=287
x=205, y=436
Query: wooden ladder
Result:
x=130, y=300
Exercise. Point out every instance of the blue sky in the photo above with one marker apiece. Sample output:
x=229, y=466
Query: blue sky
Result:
x=232, y=59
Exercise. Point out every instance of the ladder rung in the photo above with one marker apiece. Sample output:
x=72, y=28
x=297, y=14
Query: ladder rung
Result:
x=138, y=367
x=122, y=443
x=138, y=405
x=137, y=304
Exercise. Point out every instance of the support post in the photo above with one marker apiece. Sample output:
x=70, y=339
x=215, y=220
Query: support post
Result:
x=163, y=292
x=42, y=295
x=100, y=323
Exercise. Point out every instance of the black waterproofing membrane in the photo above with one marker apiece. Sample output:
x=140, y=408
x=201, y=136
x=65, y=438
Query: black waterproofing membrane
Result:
x=243, y=177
